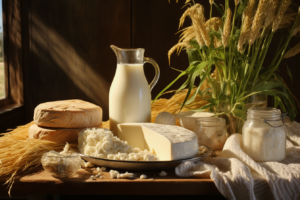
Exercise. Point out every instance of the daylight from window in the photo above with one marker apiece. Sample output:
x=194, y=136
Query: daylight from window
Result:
x=2, y=76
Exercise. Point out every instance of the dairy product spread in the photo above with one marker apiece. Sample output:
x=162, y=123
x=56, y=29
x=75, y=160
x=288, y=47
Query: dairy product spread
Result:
x=167, y=141
x=102, y=143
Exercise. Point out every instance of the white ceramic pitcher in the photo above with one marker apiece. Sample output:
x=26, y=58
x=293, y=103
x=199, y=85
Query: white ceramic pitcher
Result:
x=130, y=94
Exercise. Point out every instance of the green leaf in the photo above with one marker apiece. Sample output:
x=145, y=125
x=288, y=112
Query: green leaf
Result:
x=219, y=9
x=240, y=113
x=290, y=74
x=277, y=101
x=180, y=75
x=265, y=86
x=215, y=34
x=195, y=73
x=240, y=10
x=197, y=91
x=176, y=69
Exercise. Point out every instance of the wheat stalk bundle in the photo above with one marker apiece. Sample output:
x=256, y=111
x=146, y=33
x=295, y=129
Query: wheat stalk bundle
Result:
x=237, y=52
x=18, y=153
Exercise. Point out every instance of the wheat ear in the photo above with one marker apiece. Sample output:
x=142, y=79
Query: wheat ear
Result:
x=214, y=22
x=227, y=28
x=184, y=15
x=288, y=19
x=296, y=30
x=211, y=2
x=198, y=20
x=174, y=48
x=283, y=7
x=270, y=17
x=293, y=51
x=246, y=26
x=258, y=20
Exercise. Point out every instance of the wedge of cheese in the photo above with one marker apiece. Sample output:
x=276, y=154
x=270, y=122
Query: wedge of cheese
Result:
x=169, y=142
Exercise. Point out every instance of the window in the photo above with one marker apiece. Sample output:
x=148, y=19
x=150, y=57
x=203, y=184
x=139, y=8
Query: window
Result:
x=11, y=72
x=12, y=110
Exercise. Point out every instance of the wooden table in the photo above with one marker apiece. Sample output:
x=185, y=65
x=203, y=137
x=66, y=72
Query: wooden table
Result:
x=40, y=182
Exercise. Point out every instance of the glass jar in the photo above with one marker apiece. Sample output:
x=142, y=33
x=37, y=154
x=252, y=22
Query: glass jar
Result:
x=211, y=131
x=59, y=165
x=264, y=135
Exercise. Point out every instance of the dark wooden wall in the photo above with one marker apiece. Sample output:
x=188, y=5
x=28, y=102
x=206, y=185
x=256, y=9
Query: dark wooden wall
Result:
x=67, y=54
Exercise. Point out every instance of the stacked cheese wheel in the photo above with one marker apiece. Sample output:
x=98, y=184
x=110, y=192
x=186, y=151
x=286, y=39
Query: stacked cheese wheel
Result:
x=61, y=121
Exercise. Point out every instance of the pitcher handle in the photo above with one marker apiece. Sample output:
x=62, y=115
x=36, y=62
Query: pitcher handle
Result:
x=157, y=71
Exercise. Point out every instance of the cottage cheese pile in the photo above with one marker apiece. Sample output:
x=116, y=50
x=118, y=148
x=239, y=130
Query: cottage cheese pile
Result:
x=102, y=143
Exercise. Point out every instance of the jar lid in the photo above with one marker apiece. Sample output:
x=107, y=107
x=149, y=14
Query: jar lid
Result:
x=264, y=113
x=211, y=121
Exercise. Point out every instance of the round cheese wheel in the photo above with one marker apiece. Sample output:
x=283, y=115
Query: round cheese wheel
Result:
x=68, y=114
x=55, y=135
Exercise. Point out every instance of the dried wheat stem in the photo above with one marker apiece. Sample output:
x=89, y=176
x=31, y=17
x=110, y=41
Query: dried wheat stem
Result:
x=293, y=51
x=227, y=28
x=283, y=7
x=258, y=20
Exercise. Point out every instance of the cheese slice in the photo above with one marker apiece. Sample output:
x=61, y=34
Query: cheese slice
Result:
x=168, y=141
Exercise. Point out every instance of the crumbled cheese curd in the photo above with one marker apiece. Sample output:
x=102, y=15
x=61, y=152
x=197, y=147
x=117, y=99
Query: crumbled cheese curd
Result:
x=86, y=164
x=65, y=150
x=125, y=175
x=113, y=173
x=102, y=143
x=162, y=173
x=202, y=150
x=103, y=169
x=98, y=175
x=143, y=176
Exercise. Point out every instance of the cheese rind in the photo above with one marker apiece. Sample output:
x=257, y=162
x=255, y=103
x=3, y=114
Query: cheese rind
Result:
x=169, y=142
x=68, y=114
x=58, y=135
x=55, y=135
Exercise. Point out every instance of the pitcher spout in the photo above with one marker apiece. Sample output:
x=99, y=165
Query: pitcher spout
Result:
x=115, y=49
x=128, y=56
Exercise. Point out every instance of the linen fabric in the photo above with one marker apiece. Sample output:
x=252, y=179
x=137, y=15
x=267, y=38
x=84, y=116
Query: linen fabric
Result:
x=237, y=176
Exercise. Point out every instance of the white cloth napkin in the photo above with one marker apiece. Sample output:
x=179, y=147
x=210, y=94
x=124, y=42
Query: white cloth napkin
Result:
x=237, y=176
